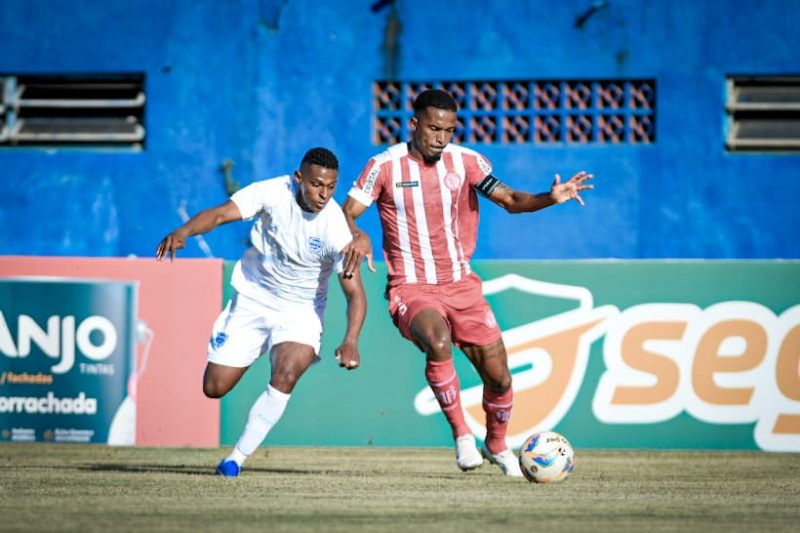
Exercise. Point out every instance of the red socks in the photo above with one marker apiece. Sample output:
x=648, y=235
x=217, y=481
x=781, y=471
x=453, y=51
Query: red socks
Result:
x=497, y=407
x=444, y=383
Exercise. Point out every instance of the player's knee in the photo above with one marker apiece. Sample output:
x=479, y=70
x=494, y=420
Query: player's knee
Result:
x=285, y=380
x=499, y=384
x=504, y=384
x=441, y=346
x=437, y=345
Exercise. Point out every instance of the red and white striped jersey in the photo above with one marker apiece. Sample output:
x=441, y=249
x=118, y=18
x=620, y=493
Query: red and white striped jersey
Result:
x=429, y=212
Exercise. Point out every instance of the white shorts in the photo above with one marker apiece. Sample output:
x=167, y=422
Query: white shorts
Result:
x=246, y=328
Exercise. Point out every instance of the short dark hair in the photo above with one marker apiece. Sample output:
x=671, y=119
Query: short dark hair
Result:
x=322, y=157
x=435, y=98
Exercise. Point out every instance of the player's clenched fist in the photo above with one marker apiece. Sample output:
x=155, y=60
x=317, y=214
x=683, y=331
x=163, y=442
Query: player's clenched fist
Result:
x=348, y=356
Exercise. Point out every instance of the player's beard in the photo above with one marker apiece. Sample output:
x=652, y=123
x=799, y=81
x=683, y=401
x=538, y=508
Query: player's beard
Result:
x=426, y=156
x=303, y=204
x=432, y=157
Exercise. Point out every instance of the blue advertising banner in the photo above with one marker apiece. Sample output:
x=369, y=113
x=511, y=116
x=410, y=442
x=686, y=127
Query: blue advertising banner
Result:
x=67, y=354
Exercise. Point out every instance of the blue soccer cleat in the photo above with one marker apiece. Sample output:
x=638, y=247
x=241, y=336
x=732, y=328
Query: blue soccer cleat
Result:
x=228, y=469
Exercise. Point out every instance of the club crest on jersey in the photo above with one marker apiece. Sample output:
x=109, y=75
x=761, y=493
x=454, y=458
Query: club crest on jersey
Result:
x=219, y=339
x=452, y=181
x=315, y=245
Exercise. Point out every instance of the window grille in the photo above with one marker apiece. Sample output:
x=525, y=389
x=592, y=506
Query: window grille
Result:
x=50, y=110
x=541, y=112
x=763, y=113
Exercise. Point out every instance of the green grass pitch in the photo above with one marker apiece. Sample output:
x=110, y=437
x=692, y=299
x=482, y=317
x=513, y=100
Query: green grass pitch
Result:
x=48, y=487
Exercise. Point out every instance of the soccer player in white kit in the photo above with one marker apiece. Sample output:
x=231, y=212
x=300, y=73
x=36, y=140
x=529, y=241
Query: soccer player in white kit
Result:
x=281, y=284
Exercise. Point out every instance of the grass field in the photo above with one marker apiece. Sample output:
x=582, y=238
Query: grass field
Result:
x=46, y=487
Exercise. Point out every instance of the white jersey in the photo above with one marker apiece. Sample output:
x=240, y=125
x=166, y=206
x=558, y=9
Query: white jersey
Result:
x=293, y=252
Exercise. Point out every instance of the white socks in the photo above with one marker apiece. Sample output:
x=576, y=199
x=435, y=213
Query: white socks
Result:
x=264, y=414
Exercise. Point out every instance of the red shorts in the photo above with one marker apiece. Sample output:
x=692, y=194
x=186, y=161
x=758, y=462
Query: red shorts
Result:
x=461, y=303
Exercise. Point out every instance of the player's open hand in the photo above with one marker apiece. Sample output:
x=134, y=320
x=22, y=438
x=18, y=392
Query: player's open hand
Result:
x=170, y=245
x=359, y=248
x=348, y=356
x=571, y=189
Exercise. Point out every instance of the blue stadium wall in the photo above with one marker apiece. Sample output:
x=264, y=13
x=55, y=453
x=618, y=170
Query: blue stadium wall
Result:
x=260, y=81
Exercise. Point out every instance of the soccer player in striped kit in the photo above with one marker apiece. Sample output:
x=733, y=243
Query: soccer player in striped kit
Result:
x=426, y=192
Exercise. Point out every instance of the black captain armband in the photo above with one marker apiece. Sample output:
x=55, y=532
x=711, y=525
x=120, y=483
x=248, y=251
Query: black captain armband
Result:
x=488, y=185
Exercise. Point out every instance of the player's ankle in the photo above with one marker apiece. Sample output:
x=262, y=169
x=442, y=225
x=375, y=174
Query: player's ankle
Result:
x=496, y=445
x=237, y=457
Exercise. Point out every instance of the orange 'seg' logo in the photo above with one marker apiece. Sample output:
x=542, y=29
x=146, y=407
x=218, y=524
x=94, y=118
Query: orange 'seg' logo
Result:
x=733, y=362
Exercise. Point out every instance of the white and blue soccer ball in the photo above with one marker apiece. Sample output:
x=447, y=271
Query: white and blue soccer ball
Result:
x=546, y=457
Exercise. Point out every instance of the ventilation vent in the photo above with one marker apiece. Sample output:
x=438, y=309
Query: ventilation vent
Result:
x=542, y=112
x=72, y=110
x=763, y=113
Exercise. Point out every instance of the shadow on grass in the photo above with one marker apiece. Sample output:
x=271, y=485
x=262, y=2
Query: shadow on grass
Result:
x=209, y=470
x=184, y=469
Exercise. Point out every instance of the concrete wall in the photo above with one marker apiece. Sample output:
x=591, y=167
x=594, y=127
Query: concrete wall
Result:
x=260, y=81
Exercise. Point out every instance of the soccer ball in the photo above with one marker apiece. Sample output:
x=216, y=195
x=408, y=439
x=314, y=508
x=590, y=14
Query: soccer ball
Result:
x=546, y=457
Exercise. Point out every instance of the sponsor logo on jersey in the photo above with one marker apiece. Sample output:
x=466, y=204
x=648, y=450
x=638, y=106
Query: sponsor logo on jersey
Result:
x=484, y=164
x=406, y=184
x=369, y=183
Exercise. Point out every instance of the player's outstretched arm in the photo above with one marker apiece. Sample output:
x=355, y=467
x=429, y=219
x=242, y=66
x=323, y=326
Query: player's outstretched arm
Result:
x=202, y=222
x=347, y=353
x=360, y=247
x=523, y=202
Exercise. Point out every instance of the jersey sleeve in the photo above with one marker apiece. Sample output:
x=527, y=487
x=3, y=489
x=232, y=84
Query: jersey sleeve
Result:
x=369, y=184
x=339, y=236
x=255, y=197
x=477, y=167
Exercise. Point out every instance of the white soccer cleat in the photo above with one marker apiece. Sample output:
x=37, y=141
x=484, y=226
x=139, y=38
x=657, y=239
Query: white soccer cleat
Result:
x=467, y=455
x=506, y=460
